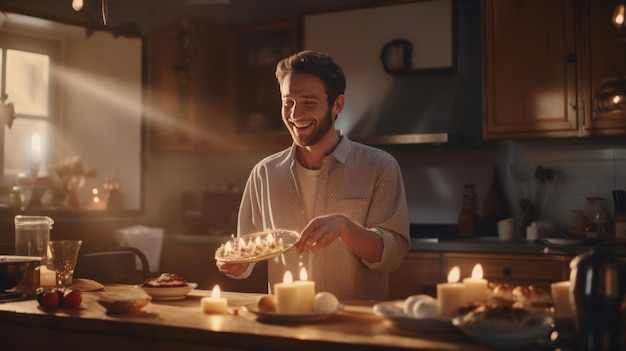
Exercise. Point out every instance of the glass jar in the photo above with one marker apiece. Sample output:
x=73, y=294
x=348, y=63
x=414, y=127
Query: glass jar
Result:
x=599, y=217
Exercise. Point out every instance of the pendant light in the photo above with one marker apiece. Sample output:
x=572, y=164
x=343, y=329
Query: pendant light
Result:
x=77, y=5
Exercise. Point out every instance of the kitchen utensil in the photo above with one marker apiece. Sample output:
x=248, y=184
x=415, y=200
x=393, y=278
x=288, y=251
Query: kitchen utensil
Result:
x=17, y=270
x=597, y=293
x=619, y=200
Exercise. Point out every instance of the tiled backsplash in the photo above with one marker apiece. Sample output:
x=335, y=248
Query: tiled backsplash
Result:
x=434, y=176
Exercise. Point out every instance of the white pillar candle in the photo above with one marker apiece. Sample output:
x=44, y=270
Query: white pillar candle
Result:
x=214, y=304
x=47, y=278
x=561, y=298
x=307, y=292
x=450, y=294
x=476, y=289
x=287, y=295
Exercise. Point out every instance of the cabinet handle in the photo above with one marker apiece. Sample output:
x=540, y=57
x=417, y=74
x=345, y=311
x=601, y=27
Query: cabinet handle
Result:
x=507, y=271
x=570, y=58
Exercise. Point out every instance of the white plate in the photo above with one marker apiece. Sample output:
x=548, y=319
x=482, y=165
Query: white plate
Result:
x=168, y=293
x=285, y=317
x=393, y=311
x=289, y=238
x=506, y=335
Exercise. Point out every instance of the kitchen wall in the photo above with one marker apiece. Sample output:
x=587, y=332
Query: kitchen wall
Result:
x=434, y=175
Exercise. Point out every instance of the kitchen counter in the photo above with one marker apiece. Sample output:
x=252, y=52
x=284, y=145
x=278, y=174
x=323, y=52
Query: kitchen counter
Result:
x=181, y=325
x=520, y=246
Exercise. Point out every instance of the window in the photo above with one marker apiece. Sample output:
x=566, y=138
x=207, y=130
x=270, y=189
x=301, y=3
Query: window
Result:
x=26, y=85
x=25, y=81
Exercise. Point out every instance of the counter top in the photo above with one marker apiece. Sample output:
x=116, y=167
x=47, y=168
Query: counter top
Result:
x=181, y=325
x=520, y=246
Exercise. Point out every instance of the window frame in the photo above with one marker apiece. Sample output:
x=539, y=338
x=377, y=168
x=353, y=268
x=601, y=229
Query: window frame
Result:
x=45, y=46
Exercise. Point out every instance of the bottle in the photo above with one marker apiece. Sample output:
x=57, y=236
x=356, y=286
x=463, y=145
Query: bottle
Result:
x=468, y=218
x=15, y=198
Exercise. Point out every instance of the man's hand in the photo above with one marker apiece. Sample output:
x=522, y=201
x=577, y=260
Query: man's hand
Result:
x=321, y=232
x=232, y=269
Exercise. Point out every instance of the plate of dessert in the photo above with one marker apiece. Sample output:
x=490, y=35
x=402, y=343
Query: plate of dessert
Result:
x=257, y=246
x=416, y=313
x=513, y=316
x=504, y=326
x=167, y=286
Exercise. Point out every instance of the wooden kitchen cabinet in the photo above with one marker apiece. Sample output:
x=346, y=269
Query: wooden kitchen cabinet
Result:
x=514, y=269
x=186, y=85
x=606, y=58
x=419, y=274
x=542, y=63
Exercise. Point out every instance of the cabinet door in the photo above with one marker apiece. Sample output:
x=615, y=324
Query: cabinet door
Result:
x=188, y=87
x=529, y=69
x=418, y=274
x=170, y=115
x=604, y=55
x=536, y=270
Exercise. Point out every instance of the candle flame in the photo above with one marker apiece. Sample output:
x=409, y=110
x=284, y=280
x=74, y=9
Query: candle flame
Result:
x=477, y=272
x=454, y=275
x=216, y=292
x=303, y=274
x=287, y=278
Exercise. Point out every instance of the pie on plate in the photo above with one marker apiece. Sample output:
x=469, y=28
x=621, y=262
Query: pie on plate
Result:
x=257, y=246
x=168, y=293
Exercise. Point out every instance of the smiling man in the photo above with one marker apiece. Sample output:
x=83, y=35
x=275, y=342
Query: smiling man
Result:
x=346, y=199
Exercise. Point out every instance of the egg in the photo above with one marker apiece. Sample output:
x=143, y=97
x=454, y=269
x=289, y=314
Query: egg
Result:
x=267, y=303
x=325, y=302
x=420, y=306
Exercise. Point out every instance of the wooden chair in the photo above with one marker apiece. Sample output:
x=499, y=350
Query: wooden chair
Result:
x=113, y=267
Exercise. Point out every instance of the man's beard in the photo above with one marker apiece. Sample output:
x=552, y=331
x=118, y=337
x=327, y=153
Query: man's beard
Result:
x=325, y=125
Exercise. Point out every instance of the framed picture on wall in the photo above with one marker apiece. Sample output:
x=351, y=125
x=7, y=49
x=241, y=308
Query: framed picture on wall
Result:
x=256, y=103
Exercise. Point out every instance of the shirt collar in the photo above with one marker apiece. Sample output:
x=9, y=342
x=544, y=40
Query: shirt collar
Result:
x=340, y=153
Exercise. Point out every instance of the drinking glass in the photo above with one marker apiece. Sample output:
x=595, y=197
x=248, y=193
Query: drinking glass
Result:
x=32, y=234
x=64, y=255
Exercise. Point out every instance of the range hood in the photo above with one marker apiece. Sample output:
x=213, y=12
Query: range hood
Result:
x=429, y=108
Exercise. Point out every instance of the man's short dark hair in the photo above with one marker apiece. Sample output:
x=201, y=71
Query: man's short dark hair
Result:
x=318, y=64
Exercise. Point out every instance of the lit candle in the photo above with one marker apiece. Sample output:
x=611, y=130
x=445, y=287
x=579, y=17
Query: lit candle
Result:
x=214, y=304
x=47, y=278
x=287, y=295
x=476, y=289
x=35, y=145
x=561, y=297
x=306, y=292
x=450, y=294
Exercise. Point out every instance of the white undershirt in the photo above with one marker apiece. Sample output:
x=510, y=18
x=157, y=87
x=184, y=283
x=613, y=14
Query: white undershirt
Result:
x=308, y=187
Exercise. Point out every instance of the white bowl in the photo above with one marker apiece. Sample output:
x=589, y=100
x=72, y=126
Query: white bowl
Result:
x=168, y=293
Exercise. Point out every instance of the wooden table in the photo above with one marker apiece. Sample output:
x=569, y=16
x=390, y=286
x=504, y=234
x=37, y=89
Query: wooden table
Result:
x=182, y=326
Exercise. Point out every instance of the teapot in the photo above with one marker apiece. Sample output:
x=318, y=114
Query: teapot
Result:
x=596, y=292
